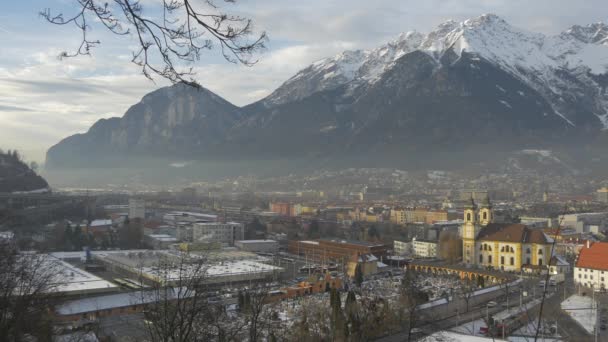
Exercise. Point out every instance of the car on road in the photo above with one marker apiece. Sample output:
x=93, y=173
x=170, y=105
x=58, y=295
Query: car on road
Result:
x=603, y=326
x=491, y=304
x=542, y=283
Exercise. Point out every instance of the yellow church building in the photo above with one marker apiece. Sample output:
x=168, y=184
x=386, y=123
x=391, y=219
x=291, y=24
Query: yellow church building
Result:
x=501, y=246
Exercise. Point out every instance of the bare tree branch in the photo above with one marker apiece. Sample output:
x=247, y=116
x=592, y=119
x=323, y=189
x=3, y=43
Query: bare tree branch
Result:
x=175, y=35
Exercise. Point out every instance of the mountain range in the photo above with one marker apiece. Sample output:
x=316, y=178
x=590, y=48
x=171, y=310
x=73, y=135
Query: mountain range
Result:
x=464, y=93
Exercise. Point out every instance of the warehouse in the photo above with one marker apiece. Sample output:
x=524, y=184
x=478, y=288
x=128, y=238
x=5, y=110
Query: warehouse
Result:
x=257, y=246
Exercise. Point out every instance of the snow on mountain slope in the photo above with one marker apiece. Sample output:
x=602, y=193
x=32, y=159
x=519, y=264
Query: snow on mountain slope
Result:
x=358, y=65
x=562, y=68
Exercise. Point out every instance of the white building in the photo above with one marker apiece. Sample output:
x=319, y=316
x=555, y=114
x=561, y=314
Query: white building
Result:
x=559, y=265
x=591, y=268
x=424, y=249
x=259, y=246
x=137, y=208
x=402, y=247
x=159, y=241
x=225, y=233
x=536, y=222
x=584, y=222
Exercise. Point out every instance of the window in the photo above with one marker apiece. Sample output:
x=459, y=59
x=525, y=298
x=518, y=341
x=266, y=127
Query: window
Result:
x=468, y=216
x=502, y=260
x=485, y=215
x=602, y=278
x=489, y=259
x=528, y=250
x=579, y=276
x=512, y=261
x=540, y=252
x=585, y=276
x=528, y=260
x=481, y=259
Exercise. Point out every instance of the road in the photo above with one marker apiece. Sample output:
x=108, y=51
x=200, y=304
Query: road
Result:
x=567, y=328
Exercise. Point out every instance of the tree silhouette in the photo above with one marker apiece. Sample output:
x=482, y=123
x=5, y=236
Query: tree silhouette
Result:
x=179, y=32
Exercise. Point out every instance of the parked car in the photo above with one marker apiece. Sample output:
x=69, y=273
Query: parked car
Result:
x=492, y=304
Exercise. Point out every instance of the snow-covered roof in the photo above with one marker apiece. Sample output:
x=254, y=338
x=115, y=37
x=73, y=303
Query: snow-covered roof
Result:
x=99, y=223
x=163, y=237
x=8, y=235
x=255, y=241
x=448, y=336
x=118, y=300
x=231, y=268
x=560, y=261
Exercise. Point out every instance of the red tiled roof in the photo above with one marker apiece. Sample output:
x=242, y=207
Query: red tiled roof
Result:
x=594, y=257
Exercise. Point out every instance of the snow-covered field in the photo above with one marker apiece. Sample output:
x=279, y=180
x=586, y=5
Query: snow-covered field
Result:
x=580, y=308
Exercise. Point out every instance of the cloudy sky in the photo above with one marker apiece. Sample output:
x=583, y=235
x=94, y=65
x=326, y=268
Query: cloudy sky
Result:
x=44, y=99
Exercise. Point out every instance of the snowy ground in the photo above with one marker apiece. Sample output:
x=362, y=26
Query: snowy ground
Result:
x=470, y=328
x=580, y=309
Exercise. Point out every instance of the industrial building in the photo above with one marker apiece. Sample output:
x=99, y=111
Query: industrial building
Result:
x=159, y=241
x=215, y=232
x=585, y=222
x=70, y=280
x=137, y=208
x=335, y=249
x=257, y=246
x=424, y=248
x=168, y=266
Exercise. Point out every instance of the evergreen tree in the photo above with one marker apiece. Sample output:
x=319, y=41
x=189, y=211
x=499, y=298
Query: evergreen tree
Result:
x=67, y=234
x=314, y=230
x=358, y=275
x=372, y=233
x=77, y=238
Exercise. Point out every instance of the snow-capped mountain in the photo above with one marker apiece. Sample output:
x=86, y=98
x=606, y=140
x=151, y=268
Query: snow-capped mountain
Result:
x=349, y=66
x=480, y=83
x=556, y=66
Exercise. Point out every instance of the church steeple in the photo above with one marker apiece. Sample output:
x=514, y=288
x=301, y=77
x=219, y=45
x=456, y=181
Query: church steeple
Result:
x=470, y=211
x=469, y=231
x=486, y=214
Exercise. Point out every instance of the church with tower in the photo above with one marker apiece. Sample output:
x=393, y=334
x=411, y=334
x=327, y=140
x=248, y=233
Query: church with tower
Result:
x=501, y=246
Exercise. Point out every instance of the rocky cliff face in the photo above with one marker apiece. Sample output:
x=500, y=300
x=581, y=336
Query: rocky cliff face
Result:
x=480, y=83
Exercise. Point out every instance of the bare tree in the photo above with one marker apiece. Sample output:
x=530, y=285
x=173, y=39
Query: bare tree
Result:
x=467, y=288
x=176, y=308
x=178, y=32
x=27, y=283
x=258, y=314
x=410, y=299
